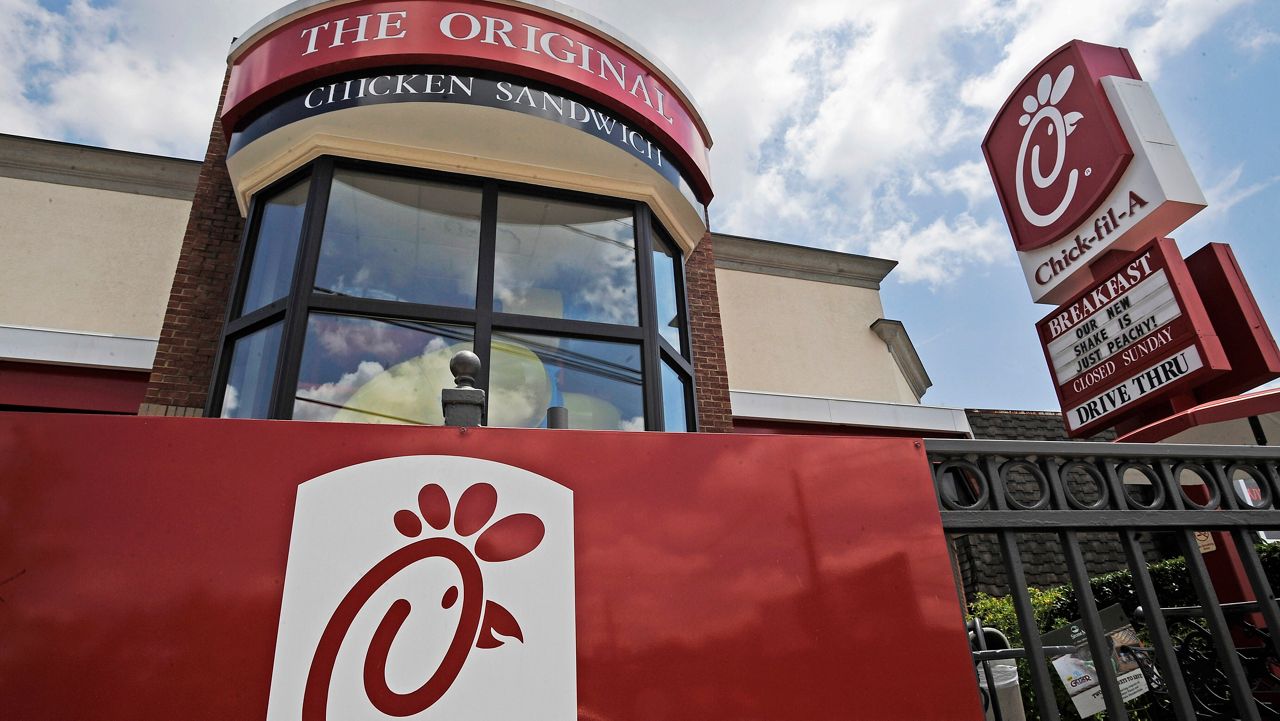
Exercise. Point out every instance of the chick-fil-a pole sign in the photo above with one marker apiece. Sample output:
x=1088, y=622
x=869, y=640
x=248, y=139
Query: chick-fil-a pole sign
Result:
x=326, y=40
x=1136, y=336
x=217, y=569
x=1084, y=162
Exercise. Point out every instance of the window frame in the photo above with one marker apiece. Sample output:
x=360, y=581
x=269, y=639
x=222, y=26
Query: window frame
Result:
x=295, y=309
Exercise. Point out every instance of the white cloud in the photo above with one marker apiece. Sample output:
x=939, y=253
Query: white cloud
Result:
x=1227, y=193
x=971, y=180
x=334, y=394
x=941, y=251
x=851, y=125
x=1255, y=41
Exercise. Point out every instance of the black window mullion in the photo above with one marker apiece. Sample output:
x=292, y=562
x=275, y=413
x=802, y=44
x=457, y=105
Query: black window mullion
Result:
x=672, y=356
x=686, y=335
x=683, y=358
x=683, y=369
x=218, y=383
x=651, y=373
x=484, y=286
x=254, y=320
x=682, y=303
x=351, y=305
x=587, y=330
x=304, y=278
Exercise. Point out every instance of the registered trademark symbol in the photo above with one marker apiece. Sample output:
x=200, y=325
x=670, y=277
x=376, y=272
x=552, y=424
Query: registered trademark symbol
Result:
x=1088, y=172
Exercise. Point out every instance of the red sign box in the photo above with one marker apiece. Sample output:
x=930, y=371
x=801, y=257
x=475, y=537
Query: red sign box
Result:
x=1055, y=149
x=1238, y=321
x=716, y=577
x=488, y=36
x=1137, y=335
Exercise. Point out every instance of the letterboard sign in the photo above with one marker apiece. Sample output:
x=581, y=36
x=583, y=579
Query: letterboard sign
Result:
x=1136, y=335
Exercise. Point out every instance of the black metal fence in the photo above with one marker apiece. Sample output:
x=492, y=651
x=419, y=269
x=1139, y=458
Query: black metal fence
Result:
x=1200, y=660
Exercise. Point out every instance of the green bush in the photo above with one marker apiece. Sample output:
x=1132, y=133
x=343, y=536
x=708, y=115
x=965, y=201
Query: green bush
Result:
x=998, y=612
x=1058, y=605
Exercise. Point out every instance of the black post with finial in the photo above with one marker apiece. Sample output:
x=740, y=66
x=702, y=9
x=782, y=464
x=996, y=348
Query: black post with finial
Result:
x=464, y=404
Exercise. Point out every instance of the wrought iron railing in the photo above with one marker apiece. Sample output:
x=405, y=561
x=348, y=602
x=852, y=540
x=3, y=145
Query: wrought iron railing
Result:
x=1207, y=661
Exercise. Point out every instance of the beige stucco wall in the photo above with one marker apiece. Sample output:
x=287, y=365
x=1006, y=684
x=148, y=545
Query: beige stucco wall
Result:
x=84, y=259
x=803, y=337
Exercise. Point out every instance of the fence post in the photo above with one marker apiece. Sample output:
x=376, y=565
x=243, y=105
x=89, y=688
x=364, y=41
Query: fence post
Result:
x=464, y=404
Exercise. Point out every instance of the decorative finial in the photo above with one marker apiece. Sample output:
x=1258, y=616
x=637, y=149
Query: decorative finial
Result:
x=464, y=405
x=464, y=366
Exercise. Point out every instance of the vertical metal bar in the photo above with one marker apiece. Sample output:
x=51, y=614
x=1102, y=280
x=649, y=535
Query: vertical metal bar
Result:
x=1175, y=682
x=1046, y=703
x=1262, y=591
x=1241, y=695
x=1158, y=630
x=993, y=703
x=1259, y=435
x=1172, y=487
x=1227, y=497
x=1092, y=623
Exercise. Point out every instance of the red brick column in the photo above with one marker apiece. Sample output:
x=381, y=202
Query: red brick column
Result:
x=712, y=377
x=193, y=322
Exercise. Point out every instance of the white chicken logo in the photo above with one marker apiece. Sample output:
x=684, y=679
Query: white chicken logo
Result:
x=1042, y=107
x=458, y=606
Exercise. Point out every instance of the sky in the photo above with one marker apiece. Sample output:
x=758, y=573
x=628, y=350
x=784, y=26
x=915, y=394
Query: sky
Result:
x=853, y=125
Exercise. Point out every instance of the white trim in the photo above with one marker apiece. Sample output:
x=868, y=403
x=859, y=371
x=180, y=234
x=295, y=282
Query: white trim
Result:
x=76, y=348
x=844, y=412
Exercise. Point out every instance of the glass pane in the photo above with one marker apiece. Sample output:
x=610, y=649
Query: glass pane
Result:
x=565, y=260
x=277, y=247
x=253, y=370
x=674, y=400
x=364, y=370
x=664, y=272
x=400, y=239
x=598, y=382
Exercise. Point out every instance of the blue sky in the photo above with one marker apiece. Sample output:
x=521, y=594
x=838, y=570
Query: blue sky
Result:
x=839, y=124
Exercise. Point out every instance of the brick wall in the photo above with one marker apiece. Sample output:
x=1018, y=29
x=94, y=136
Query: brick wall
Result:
x=198, y=300
x=714, y=413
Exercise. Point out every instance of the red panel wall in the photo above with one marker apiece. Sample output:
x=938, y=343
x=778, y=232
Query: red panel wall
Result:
x=34, y=385
x=718, y=577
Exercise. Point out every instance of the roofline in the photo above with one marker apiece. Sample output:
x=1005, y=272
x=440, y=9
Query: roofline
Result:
x=894, y=335
x=552, y=7
x=767, y=257
x=86, y=166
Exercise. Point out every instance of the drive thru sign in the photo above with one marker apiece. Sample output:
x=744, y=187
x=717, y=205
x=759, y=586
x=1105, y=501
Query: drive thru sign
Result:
x=1138, y=334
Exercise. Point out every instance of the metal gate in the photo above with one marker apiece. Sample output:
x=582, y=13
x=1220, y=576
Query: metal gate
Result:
x=1203, y=660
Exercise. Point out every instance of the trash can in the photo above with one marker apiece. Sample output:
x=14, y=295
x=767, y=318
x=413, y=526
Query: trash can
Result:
x=1008, y=693
x=1004, y=675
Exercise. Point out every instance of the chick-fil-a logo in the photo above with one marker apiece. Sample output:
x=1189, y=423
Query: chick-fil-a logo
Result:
x=1056, y=149
x=428, y=587
x=1042, y=108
